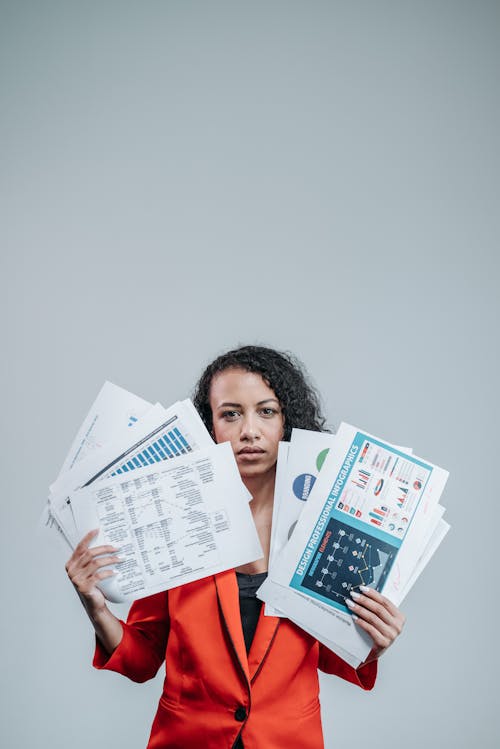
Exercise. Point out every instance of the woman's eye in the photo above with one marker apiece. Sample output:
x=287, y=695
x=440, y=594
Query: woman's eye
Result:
x=268, y=411
x=230, y=415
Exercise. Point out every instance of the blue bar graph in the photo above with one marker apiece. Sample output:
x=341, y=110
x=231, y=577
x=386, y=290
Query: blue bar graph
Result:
x=183, y=440
x=173, y=436
x=153, y=454
x=159, y=450
x=170, y=444
x=163, y=443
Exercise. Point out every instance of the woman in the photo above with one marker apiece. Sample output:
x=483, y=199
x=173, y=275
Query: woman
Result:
x=234, y=677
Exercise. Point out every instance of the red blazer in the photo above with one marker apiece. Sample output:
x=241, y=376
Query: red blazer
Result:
x=212, y=690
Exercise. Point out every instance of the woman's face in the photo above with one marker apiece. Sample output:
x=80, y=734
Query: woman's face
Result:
x=247, y=414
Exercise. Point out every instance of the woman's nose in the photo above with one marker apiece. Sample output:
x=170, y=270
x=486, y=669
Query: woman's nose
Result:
x=249, y=428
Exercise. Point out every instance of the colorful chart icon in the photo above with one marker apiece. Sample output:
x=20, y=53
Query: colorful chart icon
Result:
x=378, y=487
x=302, y=485
x=417, y=485
x=321, y=458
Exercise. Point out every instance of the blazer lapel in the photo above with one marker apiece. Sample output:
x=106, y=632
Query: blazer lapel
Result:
x=229, y=605
x=267, y=627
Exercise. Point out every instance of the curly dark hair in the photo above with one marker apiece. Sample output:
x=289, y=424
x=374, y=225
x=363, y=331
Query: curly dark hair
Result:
x=282, y=372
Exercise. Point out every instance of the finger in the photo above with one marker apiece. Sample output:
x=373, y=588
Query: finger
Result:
x=97, y=551
x=105, y=574
x=381, y=640
x=83, y=545
x=380, y=605
x=376, y=596
x=85, y=580
x=97, y=564
x=87, y=564
x=370, y=616
x=365, y=604
x=382, y=633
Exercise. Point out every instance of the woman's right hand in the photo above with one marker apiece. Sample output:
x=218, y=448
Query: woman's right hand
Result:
x=85, y=570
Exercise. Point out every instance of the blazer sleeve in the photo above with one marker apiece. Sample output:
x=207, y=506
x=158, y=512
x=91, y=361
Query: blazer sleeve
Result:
x=364, y=676
x=141, y=651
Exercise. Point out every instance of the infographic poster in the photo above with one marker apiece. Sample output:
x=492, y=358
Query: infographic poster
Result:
x=372, y=499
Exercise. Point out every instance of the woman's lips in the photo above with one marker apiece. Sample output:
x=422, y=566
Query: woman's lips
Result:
x=251, y=452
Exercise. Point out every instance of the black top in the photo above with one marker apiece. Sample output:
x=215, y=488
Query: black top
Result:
x=250, y=607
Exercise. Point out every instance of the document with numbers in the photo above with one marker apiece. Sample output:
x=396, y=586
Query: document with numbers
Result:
x=174, y=522
x=159, y=435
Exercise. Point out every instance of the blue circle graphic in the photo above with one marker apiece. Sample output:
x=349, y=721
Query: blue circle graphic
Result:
x=302, y=485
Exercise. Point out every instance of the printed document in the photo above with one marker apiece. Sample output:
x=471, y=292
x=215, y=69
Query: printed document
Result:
x=159, y=435
x=368, y=499
x=113, y=409
x=174, y=522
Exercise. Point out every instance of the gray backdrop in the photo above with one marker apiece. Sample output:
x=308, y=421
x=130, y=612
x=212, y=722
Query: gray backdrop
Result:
x=181, y=177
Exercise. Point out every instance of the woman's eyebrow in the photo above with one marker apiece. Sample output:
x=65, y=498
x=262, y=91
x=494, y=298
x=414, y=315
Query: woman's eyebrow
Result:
x=227, y=404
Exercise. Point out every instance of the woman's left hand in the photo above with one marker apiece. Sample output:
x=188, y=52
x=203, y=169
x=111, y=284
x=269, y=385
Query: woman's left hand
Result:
x=380, y=618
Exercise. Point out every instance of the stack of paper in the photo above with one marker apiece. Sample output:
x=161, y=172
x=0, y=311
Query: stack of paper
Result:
x=372, y=517
x=155, y=484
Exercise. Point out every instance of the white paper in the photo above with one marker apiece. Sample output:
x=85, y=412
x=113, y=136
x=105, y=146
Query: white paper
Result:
x=279, y=491
x=175, y=522
x=351, y=529
x=113, y=409
x=434, y=542
x=47, y=523
x=305, y=456
x=396, y=582
x=161, y=434
x=296, y=474
x=297, y=468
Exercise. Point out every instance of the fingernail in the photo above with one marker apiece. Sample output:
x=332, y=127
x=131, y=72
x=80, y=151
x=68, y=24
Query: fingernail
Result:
x=355, y=594
x=353, y=616
x=364, y=588
x=349, y=603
